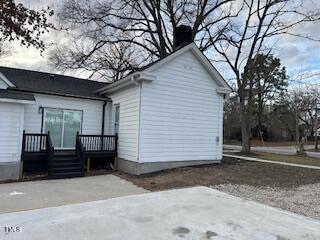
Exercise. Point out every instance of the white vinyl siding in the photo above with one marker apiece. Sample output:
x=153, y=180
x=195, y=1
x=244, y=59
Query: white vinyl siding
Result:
x=11, y=127
x=181, y=114
x=91, y=112
x=128, y=99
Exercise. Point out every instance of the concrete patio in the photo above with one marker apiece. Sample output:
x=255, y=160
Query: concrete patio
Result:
x=48, y=193
x=191, y=213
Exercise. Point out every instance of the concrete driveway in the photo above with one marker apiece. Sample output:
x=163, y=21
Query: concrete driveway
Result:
x=192, y=213
x=47, y=193
x=284, y=150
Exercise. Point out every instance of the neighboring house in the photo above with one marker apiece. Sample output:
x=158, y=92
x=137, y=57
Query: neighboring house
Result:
x=167, y=115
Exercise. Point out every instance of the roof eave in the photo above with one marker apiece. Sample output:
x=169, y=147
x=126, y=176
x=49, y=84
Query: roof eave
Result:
x=133, y=79
x=224, y=90
x=102, y=98
x=11, y=100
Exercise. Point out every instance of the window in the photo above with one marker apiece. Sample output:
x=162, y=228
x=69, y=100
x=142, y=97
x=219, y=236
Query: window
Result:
x=116, y=118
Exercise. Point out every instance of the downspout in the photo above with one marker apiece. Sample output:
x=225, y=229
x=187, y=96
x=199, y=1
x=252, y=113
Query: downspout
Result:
x=102, y=125
x=42, y=119
x=103, y=116
x=219, y=139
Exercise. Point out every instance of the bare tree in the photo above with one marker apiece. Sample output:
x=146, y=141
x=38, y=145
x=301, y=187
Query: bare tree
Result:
x=259, y=22
x=269, y=81
x=311, y=115
x=23, y=24
x=301, y=103
x=231, y=126
x=110, y=62
x=4, y=50
x=145, y=26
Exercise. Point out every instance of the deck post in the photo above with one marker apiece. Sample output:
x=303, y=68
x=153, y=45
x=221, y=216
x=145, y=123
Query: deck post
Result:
x=21, y=170
x=116, y=153
x=23, y=142
x=115, y=163
x=101, y=143
x=88, y=165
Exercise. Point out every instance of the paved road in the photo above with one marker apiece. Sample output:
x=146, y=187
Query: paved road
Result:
x=285, y=150
x=39, y=194
x=191, y=213
x=272, y=162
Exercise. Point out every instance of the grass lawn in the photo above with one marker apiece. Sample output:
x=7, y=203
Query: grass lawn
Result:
x=286, y=158
x=313, y=150
x=258, y=143
x=231, y=171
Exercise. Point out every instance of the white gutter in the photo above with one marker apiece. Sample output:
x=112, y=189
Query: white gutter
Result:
x=223, y=90
x=134, y=78
x=10, y=100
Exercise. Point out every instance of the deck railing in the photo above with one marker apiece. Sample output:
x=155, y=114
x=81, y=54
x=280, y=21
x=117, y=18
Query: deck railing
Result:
x=35, y=145
x=99, y=143
x=34, y=142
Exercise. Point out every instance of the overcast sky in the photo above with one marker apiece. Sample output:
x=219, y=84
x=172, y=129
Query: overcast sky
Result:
x=298, y=55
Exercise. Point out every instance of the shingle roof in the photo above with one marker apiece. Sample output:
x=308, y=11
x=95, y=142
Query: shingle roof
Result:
x=4, y=93
x=32, y=81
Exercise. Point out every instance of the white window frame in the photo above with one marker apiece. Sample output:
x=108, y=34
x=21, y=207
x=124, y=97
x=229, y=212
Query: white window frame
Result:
x=116, y=123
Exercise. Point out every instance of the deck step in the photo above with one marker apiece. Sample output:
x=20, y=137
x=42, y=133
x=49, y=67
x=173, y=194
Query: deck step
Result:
x=66, y=169
x=66, y=160
x=66, y=164
x=65, y=156
x=64, y=152
x=67, y=175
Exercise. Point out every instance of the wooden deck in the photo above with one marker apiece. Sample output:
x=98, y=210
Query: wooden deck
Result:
x=39, y=155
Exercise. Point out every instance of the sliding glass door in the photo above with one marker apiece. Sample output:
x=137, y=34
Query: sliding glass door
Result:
x=63, y=126
x=72, y=125
x=54, y=124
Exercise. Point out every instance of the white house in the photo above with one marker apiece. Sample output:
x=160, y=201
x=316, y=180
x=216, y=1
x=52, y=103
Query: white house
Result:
x=167, y=115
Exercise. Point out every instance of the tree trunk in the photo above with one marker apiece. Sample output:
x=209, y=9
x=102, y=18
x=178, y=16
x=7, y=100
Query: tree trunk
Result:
x=300, y=143
x=316, y=130
x=297, y=129
x=259, y=130
x=260, y=115
x=246, y=138
x=245, y=128
x=246, y=102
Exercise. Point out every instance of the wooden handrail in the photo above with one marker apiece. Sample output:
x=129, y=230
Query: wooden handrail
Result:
x=50, y=153
x=96, y=135
x=36, y=134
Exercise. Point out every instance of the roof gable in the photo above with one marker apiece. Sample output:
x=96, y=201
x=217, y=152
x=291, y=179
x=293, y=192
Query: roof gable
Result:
x=145, y=73
x=192, y=47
